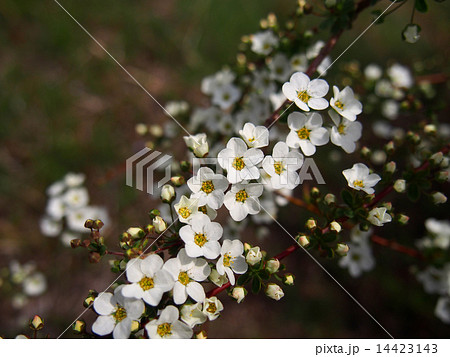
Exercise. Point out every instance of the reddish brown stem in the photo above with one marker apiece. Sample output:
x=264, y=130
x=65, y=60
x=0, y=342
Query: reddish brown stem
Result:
x=396, y=246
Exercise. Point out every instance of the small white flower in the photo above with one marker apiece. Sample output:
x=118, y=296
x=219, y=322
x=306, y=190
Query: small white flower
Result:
x=358, y=259
x=116, y=313
x=192, y=314
x=148, y=281
x=226, y=96
x=282, y=166
x=279, y=67
x=242, y=200
x=50, y=227
x=274, y=291
x=239, y=161
x=186, y=208
x=222, y=78
x=400, y=76
x=208, y=187
x=306, y=93
x=390, y=109
x=34, y=284
x=72, y=180
x=56, y=188
x=197, y=144
x=168, y=326
x=411, y=33
x=217, y=279
x=255, y=136
x=177, y=108
x=159, y=224
x=400, y=186
x=345, y=104
x=263, y=83
x=379, y=216
x=254, y=256
x=264, y=42
x=439, y=198
x=434, y=280
x=314, y=50
x=299, y=63
x=56, y=207
x=231, y=259
x=201, y=237
x=345, y=133
x=442, y=310
x=238, y=293
x=76, y=197
x=373, y=72
x=359, y=178
x=212, y=308
x=187, y=272
x=306, y=132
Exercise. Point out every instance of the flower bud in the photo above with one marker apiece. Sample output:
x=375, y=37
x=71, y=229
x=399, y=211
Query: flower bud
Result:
x=88, y=301
x=335, y=227
x=445, y=162
x=341, y=249
x=141, y=129
x=365, y=152
x=36, y=323
x=288, y=279
x=197, y=144
x=156, y=130
x=247, y=247
x=410, y=33
x=274, y=291
x=149, y=228
x=89, y=223
x=390, y=167
x=134, y=326
x=160, y=224
x=311, y=223
x=217, y=279
x=402, y=219
x=303, y=240
x=201, y=335
x=153, y=213
x=438, y=198
x=79, y=326
x=94, y=257
x=238, y=293
x=442, y=176
x=437, y=158
x=167, y=193
x=272, y=266
x=329, y=198
x=254, y=256
x=136, y=232
x=315, y=192
x=75, y=243
x=400, y=186
x=178, y=180
x=430, y=129
x=389, y=147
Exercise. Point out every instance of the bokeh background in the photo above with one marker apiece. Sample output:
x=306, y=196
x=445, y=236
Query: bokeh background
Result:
x=65, y=106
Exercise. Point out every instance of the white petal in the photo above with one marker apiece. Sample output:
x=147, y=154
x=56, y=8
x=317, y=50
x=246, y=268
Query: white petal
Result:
x=134, y=273
x=181, y=330
x=134, y=308
x=179, y=293
x=169, y=314
x=151, y=264
x=307, y=147
x=318, y=88
x=196, y=291
x=122, y=329
x=104, y=325
x=318, y=103
x=103, y=304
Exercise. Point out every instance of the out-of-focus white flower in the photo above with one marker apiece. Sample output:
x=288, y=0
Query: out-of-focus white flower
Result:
x=277, y=99
x=239, y=161
x=187, y=272
x=279, y=67
x=373, y=72
x=77, y=217
x=345, y=104
x=411, y=33
x=56, y=188
x=358, y=259
x=314, y=50
x=345, y=133
x=201, y=237
x=76, y=197
x=264, y=42
x=212, y=308
x=168, y=326
x=177, y=108
x=72, y=179
x=208, y=187
x=379, y=216
x=186, y=208
x=253, y=256
x=299, y=63
x=67, y=237
x=231, y=259
x=439, y=198
x=222, y=78
x=400, y=76
x=442, y=310
x=274, y=291
x=305, y=93
x=56, y=208
x=434, y=280
x=306, y=132
x=198, y=144
x=192, y=314
x=50, y=227
x=117, y=313
x=226, y=96
x=282, y=166
x=148, y=281
x=255, y=136
x=384, y=88
x=390, y=109
x=359, y=178
x=34, y=284
x=242, y=200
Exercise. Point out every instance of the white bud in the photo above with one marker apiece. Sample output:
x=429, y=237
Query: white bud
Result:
x=274, y=291
x=254, y=256
x=437, y=158
x=272, y=265
x=311, y=223
x=217, y=279
x=135, y=232
x=439, y=197
x=167, y=193
x=430, y=129
x=159, y=224
x=288, y=279
x=341, y=249
x=238, y=293
x=400, y=186
x=336, y=227
x=411, y=33
x=303, y=240
x=390, y=167
x=197, y=144
x=329, y=198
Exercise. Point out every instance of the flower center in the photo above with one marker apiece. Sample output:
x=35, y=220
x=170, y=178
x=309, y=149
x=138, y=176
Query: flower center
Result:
x=164, y=329
x=303, y=96
x=203, y=209
x=339, y=104
x=200, y=239
x=358, y=183
x=241, y=196
x=278, y=166
x=356, y=257
x=238, y=163
x=251, y=140
x=119, y=314
x=303, y=133
x=207, y=186
x=146, y=283
x=184, y=212
x=211, y=308
x=183, y=278
x=341, y=129
x=227, y=260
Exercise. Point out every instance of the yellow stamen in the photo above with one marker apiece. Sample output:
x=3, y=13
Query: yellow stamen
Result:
x=183, y=278
x=164, y=329
x=278, y=166
x=358, y=183
x=211, y=308
x=207, y=186
x=241, y=196
x=303, y=96
x=238, y=163
x=184, y=212
x=339, y=104
x=303, y=133
x=227, y=260
x=119, y=314
x=200, y=239
x=146, y=283
x=341, y=129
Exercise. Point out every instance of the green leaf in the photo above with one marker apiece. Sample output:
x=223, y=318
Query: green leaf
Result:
x=256, y=285
x=347, y=197
x=421, y=5
x=413, y=192
x=243, y=279
x=264, y=275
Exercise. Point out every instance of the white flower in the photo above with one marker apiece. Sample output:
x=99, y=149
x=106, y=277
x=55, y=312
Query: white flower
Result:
x=306, y=93
x=345, y=104
x=50, y=227
x=272, y=265
x=198, y=144
x=201, y=237
x=358, y=259
x=439, y=198
x=217, y=279
x=176, y=108
x=314, y=50
x=274, y=291
x=34, y=284
x=187, y=272
x=186, y=208
x=345, y=133
x=208, y=187
x=359, y=178
x=56, y=188
x=282, y=166
x=77, y=217
x=211, y=83
x=56, y=207
x=254, y=256
x=379, y=216
x=72, y=180
x=159, y=224
x=264, y=42
x=390, y=108
x=238, y=293
x=212, y=308
x=400, y=186
x=255, y=136
x=400, y=76
x=373, y=72
x=242, y=200
x=76, y=197
x=239, y=161
x=225, y=96
x=306, y=132
x=411, y=33
x=210, y=212
x=231, y=259
x=168, y=326
x=299, y=63
x=263, y=83
x=442, y=310
x=434, y=281
x=279, y=67
x=192, y=314
x=116, y=313
x=148, y=281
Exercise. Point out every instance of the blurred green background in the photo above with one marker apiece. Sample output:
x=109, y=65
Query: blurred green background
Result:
x=66, y=106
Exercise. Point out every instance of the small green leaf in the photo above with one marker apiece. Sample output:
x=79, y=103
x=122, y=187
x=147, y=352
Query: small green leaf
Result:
x=347, y=197
x=256, y=286
x=421, y=5
x=243, y=279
